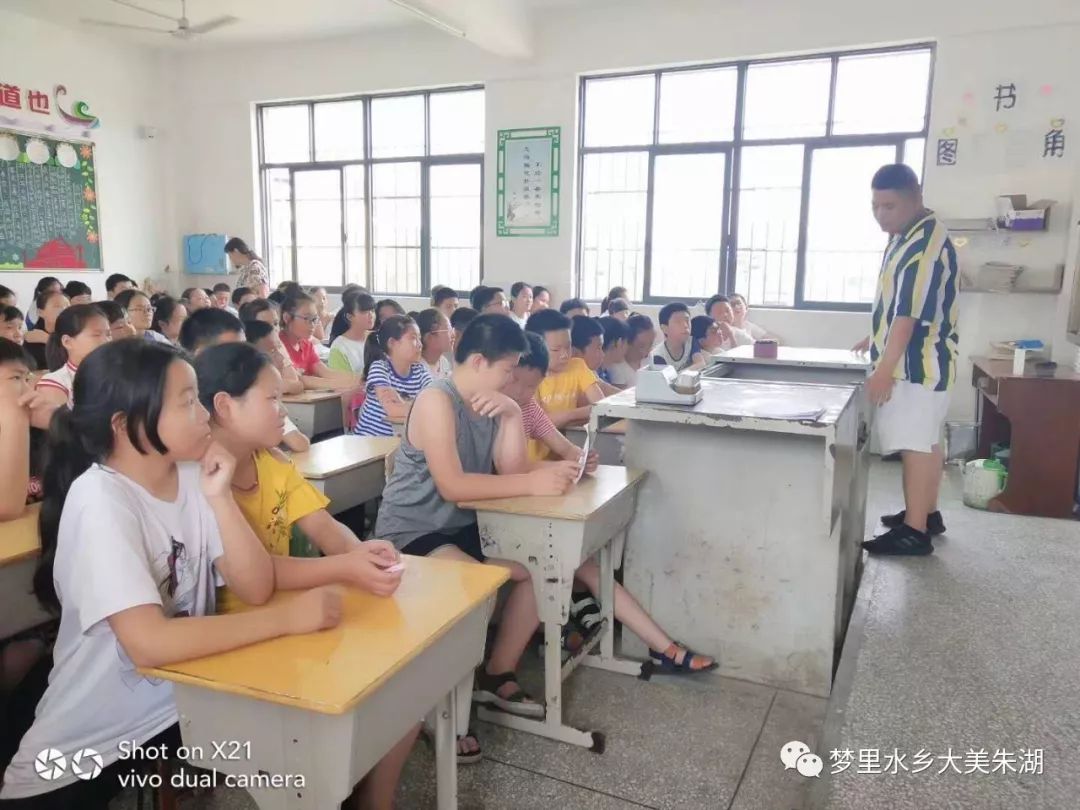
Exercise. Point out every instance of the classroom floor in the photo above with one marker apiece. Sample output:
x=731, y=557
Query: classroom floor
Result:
x=714, y=742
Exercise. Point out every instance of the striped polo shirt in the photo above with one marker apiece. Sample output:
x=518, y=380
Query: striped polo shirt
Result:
x=373, y=420
x=919, y=279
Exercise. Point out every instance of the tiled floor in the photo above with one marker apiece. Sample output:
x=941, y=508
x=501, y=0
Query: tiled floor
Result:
x=972, y=646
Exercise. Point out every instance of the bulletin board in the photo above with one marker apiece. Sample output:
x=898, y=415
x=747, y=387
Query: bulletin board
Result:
x=527, y=190
x=48, y=204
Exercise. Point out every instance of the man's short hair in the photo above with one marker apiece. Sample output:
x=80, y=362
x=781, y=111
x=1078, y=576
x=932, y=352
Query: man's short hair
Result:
x=896, y=177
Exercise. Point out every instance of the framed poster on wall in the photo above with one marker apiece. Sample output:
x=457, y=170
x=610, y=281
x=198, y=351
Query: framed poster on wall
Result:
x=527, y=183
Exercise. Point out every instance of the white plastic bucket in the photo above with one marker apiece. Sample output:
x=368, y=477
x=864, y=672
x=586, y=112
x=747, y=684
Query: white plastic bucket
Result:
x=984, y=479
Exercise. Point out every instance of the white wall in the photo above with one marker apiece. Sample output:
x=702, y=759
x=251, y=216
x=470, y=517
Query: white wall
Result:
x=122, y=86
x=975, y=51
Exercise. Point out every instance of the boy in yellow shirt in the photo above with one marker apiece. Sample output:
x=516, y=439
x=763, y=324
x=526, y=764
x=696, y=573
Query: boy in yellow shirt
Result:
x=570, y=388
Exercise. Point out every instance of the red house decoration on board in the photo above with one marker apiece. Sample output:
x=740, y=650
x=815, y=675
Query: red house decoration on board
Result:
x=57, y=254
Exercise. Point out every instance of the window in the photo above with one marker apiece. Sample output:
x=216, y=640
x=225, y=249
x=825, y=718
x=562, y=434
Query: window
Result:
x=751, y=177
x=383, y=191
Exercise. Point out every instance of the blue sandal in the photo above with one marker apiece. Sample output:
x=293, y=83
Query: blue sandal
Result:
x=667, y=663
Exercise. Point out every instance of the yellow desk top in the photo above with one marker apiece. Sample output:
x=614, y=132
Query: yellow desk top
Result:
x=615, y=427
x=590, y=495
x=341, y=454
x=331, y=671
x=310, y=397
x=19, y=538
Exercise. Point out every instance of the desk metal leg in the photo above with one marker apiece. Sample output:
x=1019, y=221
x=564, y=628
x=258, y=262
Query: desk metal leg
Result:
x=605, y=658
x=552, y=725
x=446, y=752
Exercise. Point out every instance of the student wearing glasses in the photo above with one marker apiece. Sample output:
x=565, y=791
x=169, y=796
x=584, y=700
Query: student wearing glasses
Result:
x=298, y=320
x=140, y=313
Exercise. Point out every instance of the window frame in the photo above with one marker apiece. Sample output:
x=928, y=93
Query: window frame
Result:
x=733, y=148
x=426, y=161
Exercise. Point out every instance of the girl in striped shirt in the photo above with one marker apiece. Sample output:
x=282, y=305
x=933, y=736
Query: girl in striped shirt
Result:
x=395, y=373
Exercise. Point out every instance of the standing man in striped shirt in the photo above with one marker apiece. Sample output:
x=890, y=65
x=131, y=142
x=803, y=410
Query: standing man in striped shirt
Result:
x=912, y=347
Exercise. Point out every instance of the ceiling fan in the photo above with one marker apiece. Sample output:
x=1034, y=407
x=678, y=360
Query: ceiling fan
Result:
x=184, y=30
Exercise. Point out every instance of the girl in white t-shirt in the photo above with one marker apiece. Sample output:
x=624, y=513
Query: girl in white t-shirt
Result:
x=79, y=330
x=740, y=310
x=138, y=527
x=437, y=338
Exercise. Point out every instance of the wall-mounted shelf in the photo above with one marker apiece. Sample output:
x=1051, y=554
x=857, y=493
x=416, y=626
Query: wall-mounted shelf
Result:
x=1003, y=278
x=970, y=225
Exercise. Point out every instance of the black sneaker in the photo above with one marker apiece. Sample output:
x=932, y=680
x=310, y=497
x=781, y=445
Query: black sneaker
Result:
x=903, y=540
x=935, y=524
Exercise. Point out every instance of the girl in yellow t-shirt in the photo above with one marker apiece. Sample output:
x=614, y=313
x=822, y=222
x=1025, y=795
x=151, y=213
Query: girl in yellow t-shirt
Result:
x=241, y=389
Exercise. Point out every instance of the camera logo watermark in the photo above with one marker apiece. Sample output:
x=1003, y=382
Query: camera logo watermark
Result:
x=86, y=764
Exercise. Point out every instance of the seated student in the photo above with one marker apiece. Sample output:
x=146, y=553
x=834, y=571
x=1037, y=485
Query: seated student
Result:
x=240, y=296
x=706, y=340
x=445, y=300
x=394, y=376
x=209, y=327
x=264, y=337
x=242, y=391
x=570, y=388
x=195, y=298
x=79, y=330
x=671, y=656
x=119, y=324
x=639, y=343
x=262, y=310
x=387, y=308
x=587, y=342
x=12, y=324
x=614, y=369
x=45, y=284
x=14, y=431
x=541, y=299
x=140, y=314
x=135, y=453
x=461, y=318
x=347, y=350
x=459, y=432
x=437, y=340
x=78, y=293
x=619, y=308
x=8, y=298
x=719, y=308
x=521, y=387
x=521, y=299
x=322, y=309
x=572, y=307
x=49, y=305
x=169, y=315
x=674, y=349
x=488, y=300
x=298, y=319
x=222, y=297
x=740, y=310
x=116, y=284
x=614, y=294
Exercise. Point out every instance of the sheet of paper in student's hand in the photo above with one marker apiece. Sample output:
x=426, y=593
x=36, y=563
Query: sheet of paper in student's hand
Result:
x=584, y=455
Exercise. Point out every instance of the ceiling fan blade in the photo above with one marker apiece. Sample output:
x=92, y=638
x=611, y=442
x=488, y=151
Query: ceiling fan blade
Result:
x=106, y=24
x=144, y=10
x=212, y=25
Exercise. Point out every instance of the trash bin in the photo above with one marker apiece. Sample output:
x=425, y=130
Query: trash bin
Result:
x=961, y=441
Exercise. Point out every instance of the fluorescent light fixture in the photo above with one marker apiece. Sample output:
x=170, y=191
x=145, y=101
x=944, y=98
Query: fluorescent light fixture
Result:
x=428, y=17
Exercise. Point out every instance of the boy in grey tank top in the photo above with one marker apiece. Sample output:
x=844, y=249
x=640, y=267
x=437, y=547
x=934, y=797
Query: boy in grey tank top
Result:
x=464, y=440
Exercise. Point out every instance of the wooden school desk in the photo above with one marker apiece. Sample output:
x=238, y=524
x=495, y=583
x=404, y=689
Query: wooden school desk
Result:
x=1039, y=417
x=552, y=537
x=20, y=545
x=609, y=440
x=314, y=412
x=349, y=470
x=329, y=705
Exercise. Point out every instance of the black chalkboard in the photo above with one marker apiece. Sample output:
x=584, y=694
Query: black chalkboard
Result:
x=48, y=204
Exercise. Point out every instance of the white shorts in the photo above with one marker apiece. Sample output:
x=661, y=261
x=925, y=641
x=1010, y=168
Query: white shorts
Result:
x=912, y=419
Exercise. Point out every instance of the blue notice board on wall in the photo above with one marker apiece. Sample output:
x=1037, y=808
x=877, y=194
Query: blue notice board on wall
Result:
x=204, y=254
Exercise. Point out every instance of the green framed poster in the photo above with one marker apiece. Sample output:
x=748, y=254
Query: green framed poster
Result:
x=527, y=183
